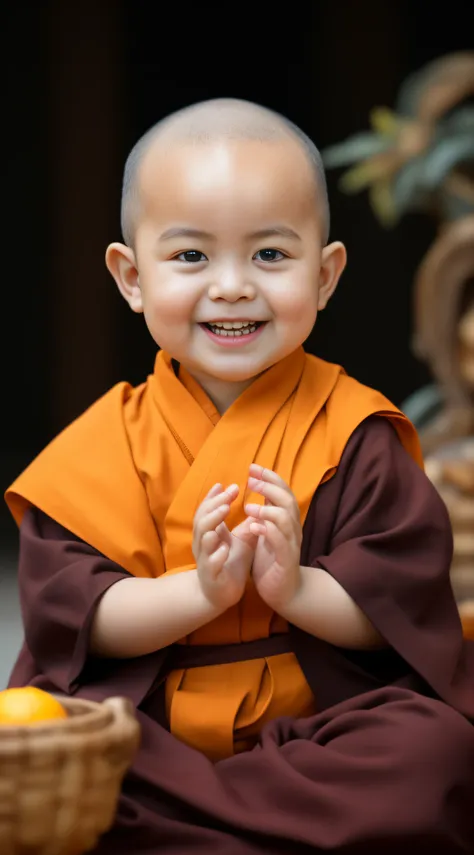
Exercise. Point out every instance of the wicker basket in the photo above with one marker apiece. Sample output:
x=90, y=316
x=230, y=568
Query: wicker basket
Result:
x=60, y=781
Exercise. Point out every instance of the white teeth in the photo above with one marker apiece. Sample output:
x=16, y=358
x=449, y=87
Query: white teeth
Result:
x=236, y=329
x=233, y=325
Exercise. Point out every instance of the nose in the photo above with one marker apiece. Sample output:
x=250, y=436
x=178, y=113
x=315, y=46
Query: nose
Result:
x=231, y=285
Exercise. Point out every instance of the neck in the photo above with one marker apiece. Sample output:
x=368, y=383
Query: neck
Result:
x=221, y=392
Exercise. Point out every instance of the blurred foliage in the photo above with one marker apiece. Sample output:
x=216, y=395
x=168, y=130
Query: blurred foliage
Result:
x=419, y=156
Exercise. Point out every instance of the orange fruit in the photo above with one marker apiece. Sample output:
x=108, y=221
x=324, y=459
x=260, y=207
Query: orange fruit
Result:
x=29, y=705
x=466, y=610
x=468, y=626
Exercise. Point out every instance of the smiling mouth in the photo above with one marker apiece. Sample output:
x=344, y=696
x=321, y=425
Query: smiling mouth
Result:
x=234, y=329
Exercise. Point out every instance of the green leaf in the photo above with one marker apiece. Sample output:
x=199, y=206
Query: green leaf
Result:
x=356, y=148
x=444, y=156
x=417, y=84
x=408, y=185
x=460, y=121
x=382, y=203
x=409, y=94
x=416, y=182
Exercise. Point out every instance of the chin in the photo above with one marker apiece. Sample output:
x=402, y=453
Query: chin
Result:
x=253, y=367
x=238, y=376
x=230, y=375
x=226, y=372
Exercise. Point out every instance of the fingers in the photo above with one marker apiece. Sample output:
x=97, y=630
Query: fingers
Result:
x=279, y=517
x=213, y=548
x=217, y=488
x=215, y=499
x=243, y=533
x=267, y=475
x=275, y=491
x=215, y=496
x=224, y=534
x=210, y=541
x=276, y=540
x=209, y=519
x=214, y=553
x=208, y=522
x=257, y=528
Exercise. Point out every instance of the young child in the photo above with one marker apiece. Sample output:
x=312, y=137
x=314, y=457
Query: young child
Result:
x=246, y=544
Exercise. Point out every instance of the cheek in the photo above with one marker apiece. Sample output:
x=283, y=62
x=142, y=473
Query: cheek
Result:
x=295, y=298
x=167, y=321
x=168, y=299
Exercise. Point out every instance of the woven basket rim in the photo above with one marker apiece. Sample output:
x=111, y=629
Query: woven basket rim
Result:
x=83, y=716
x=47, y=784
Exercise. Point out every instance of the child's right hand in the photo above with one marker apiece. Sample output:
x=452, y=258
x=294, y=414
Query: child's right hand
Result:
x=223, y=558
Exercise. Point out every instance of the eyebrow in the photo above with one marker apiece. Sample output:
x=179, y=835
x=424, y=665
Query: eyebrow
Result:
x=276, y=231
x=272, y=231
x=181, y=231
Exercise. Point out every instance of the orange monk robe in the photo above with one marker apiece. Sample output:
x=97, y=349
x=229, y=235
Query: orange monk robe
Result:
x=128, y=476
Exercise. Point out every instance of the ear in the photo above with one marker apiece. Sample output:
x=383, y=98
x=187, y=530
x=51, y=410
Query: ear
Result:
x=121, y=263
x=333, y=262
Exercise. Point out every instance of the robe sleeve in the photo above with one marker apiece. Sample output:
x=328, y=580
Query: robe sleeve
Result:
x=61, y=581
x=391, y=549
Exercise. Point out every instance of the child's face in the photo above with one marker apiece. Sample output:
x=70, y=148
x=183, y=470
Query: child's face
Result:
x=228, y=232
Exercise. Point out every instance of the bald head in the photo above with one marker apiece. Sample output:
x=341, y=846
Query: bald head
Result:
x=213, y=121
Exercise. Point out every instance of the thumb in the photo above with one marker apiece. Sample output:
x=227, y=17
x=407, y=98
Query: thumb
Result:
x=243, y=533
x=223, y=532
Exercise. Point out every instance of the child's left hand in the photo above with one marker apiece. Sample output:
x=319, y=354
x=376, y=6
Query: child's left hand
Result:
x=276, y=564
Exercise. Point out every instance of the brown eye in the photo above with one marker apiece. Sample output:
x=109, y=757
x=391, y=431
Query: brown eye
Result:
x=191, y=256
x=269, y=255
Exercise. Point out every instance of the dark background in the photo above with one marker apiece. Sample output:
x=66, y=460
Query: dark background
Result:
x=83, y=81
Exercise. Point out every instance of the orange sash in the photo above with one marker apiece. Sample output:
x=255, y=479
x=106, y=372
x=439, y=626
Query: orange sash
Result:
x=129, y=474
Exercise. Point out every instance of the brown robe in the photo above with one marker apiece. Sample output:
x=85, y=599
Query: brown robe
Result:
x=388, y=760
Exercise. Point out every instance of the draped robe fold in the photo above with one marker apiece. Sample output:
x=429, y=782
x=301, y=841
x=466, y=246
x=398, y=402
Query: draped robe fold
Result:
x=115, y=495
